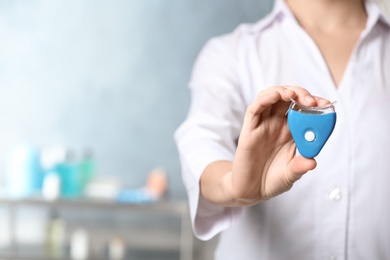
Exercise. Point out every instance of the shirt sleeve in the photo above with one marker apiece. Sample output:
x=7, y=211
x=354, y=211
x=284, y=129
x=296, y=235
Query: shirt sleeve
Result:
x=211, y=130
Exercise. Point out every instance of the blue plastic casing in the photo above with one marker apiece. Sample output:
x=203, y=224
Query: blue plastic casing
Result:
x=321, y=125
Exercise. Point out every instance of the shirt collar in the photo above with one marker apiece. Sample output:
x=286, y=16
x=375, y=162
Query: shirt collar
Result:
x=375, y=15
x=281, y=11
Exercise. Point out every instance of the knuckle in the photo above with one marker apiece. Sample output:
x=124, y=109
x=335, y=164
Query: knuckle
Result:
x=251, y=110
x=267, y=91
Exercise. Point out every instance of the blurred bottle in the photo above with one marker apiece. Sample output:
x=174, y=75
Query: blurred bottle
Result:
x=116, y=248
x=55, y=236
x=79, y=245
x=69, y=173
x=51, y=189
x=87, y=167
x=24, y=172
x=50, y=158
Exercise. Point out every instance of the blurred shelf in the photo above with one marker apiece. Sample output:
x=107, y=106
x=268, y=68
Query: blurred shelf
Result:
x=177, y=207
x=143, y=238
x=36, y=252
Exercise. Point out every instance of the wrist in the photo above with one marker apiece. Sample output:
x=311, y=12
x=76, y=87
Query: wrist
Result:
x=233, y=199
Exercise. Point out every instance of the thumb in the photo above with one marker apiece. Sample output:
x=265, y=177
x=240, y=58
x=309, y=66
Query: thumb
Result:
x=298, y=167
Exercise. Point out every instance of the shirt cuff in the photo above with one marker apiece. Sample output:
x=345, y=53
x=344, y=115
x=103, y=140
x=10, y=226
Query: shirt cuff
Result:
x=208, y=219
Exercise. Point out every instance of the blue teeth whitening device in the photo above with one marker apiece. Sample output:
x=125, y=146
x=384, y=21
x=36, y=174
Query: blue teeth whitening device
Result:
x=310, y=127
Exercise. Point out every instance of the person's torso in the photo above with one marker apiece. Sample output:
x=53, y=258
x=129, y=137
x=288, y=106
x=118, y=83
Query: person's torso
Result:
x=340, y=209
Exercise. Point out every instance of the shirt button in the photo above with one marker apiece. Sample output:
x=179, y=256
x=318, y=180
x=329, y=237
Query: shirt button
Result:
x=335, y=194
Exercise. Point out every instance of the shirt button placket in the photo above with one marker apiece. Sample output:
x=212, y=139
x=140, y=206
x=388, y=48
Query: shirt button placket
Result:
x=335, y=195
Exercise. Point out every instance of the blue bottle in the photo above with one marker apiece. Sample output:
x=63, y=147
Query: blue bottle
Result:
x=24, y=171
x=69, y=174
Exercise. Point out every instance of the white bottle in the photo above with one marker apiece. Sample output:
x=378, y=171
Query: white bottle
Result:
x=79, y=245
x=51, y=186
x=116, y=249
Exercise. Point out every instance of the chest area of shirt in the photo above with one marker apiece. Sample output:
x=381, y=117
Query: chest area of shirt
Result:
x=299, y=63
x=363, y=97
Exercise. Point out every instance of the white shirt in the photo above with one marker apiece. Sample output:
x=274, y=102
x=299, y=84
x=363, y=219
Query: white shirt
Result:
x=340, y=210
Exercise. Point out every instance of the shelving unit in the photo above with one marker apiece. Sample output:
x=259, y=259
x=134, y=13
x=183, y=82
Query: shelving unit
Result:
x=145, y=239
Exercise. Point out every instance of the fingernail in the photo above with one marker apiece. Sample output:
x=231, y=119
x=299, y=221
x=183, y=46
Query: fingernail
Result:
x=309, y=99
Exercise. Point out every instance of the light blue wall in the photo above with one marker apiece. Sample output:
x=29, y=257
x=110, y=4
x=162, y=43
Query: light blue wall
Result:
x=110, y=75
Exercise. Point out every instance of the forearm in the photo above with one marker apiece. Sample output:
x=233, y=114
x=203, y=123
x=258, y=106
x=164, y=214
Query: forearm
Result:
x=213, y=183
x=216, y=185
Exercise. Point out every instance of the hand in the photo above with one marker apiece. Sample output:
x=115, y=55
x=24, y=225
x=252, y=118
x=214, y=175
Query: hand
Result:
x=265, y=164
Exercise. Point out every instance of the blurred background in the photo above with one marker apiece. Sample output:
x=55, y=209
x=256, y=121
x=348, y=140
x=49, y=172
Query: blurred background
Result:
x=91, y=93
